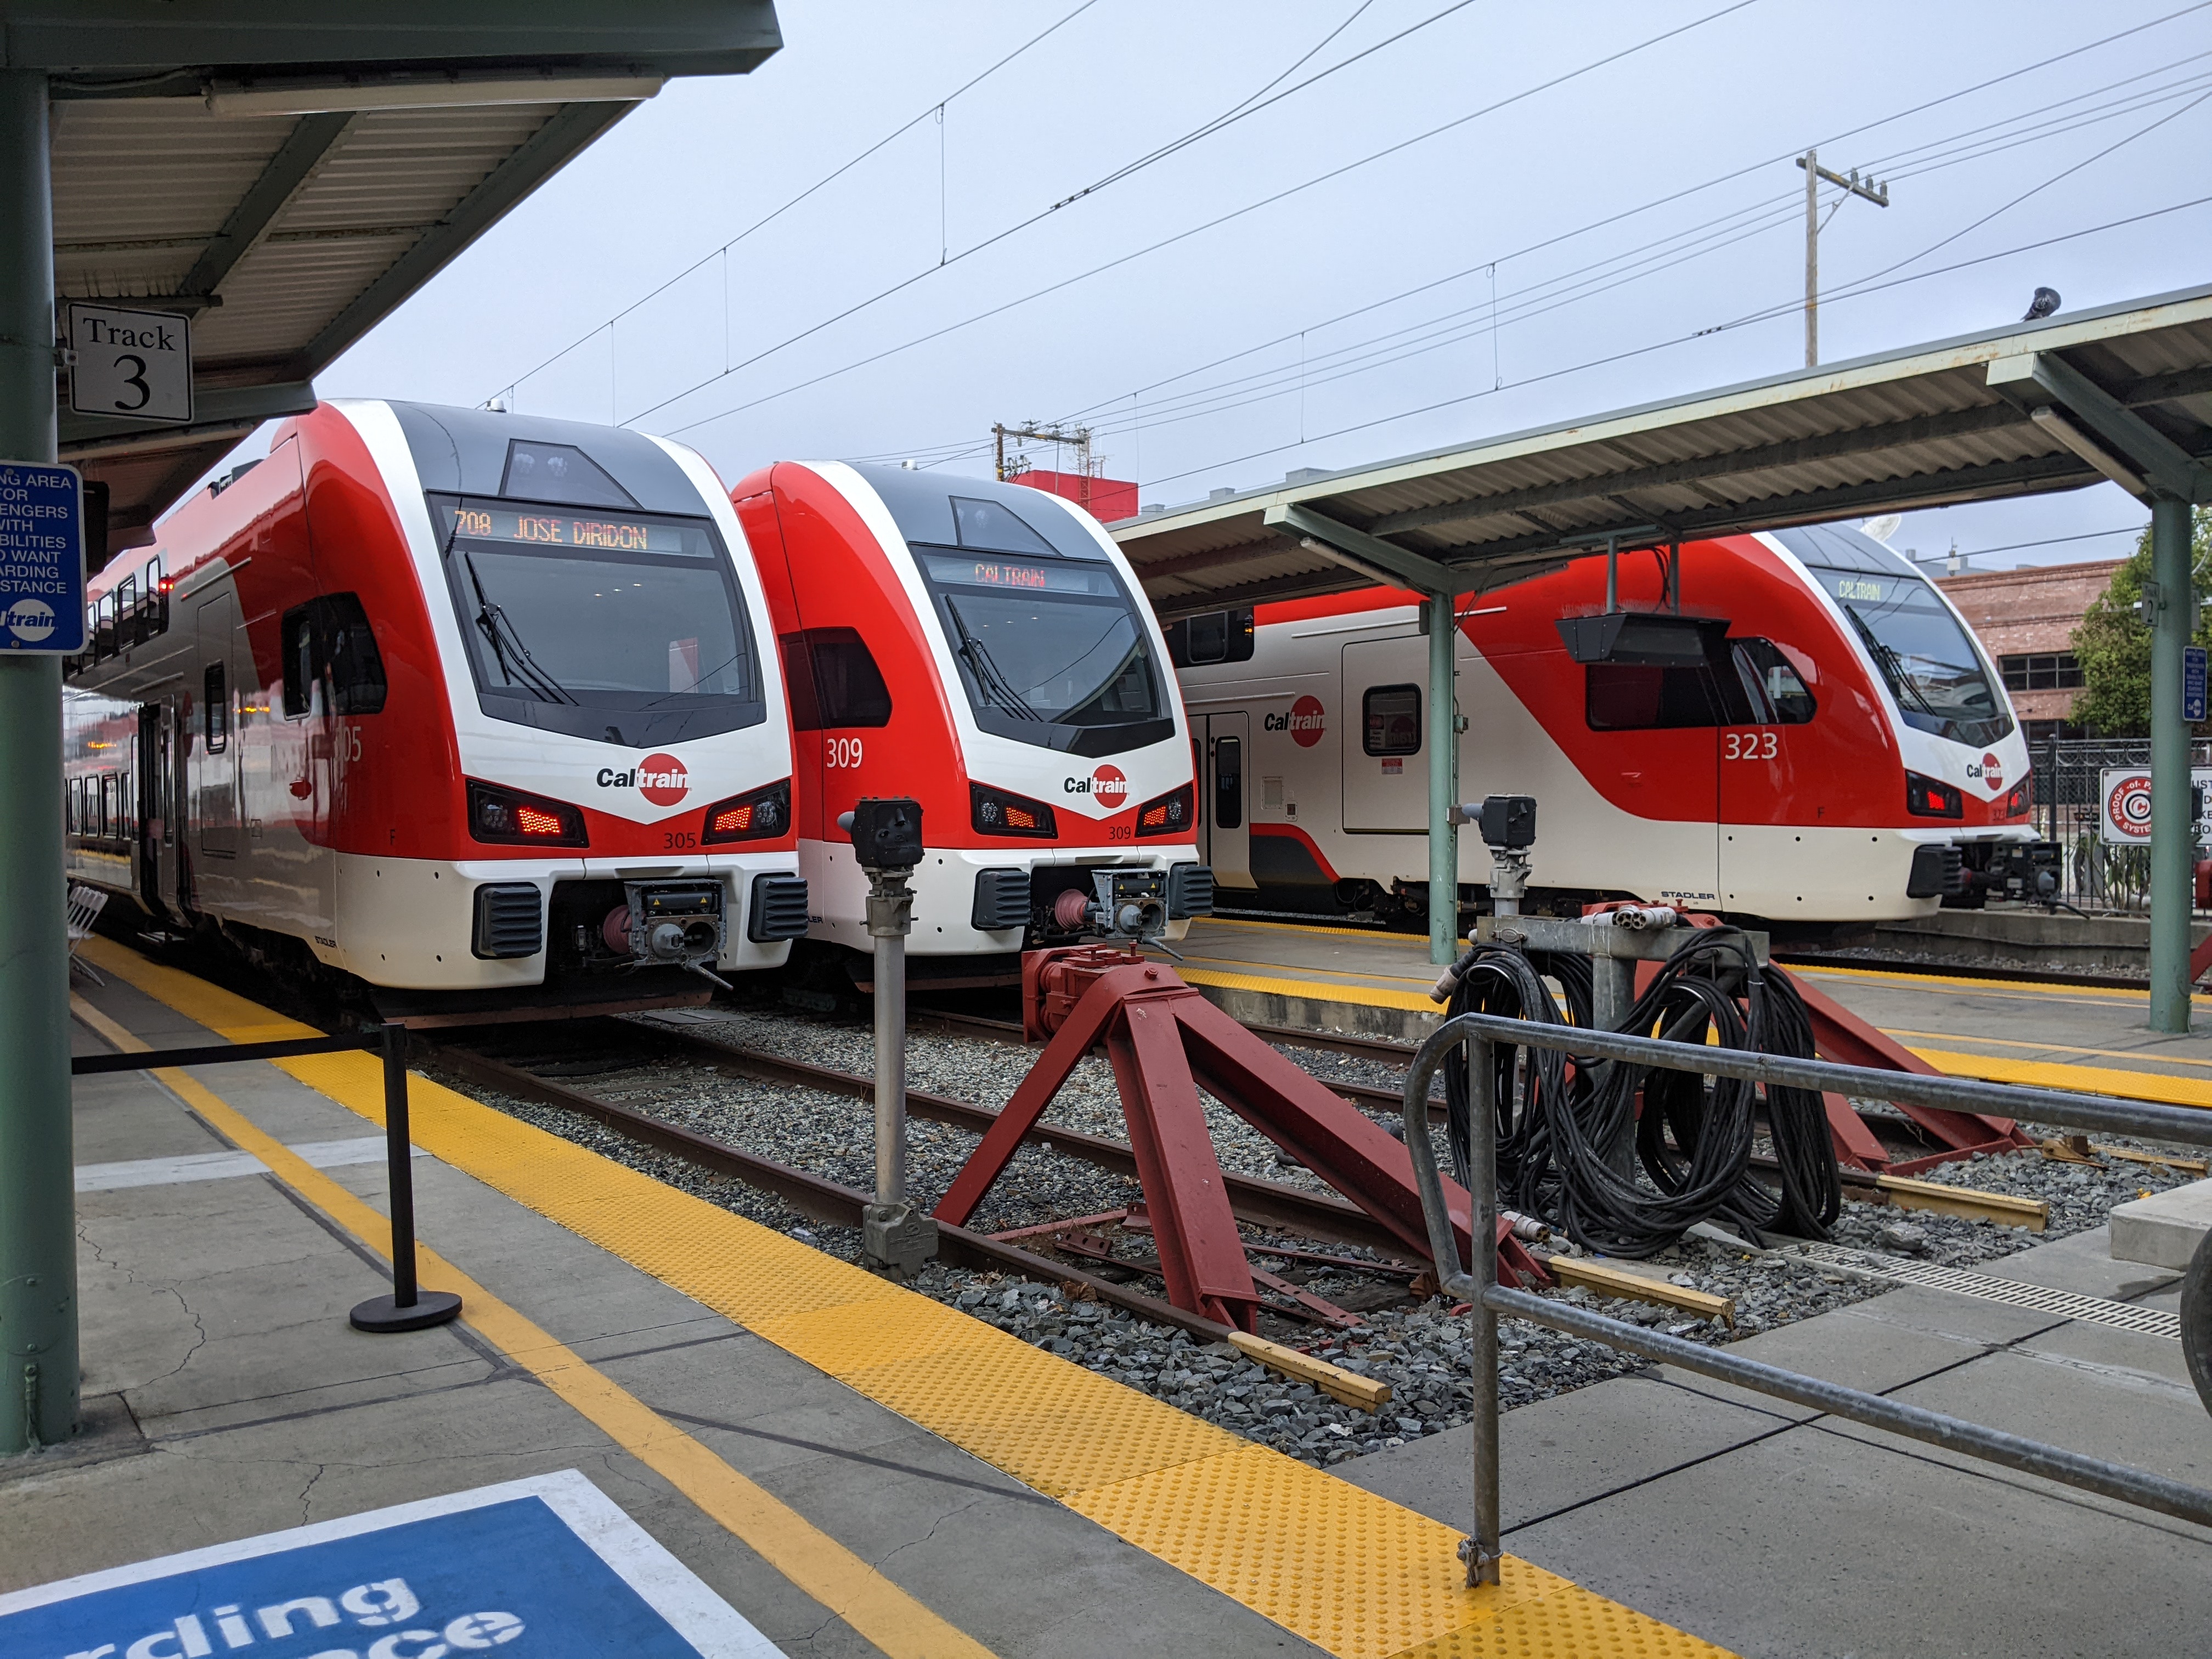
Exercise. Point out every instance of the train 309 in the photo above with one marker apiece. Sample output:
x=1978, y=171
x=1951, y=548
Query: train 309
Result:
x=983, y=648
x=446, y=700
x=1818, y=739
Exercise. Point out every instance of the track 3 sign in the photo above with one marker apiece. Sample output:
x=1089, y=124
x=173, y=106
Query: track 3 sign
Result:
x=136, y=364
x=547, y=1568
x=41, y=558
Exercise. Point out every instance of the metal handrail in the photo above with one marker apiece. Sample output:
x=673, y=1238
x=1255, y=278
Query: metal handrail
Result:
x=1480, y=1033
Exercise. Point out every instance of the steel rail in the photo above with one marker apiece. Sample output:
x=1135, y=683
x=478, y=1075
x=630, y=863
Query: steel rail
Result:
x=1482, y=1033
x=812, y=1195
x=1265, y=1203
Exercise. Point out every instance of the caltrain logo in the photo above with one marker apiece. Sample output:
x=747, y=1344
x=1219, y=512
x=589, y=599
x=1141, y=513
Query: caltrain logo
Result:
x=1109, y=786
x=1306, y=722
x=30, y=620
x=661, y=779
x=1993, y=772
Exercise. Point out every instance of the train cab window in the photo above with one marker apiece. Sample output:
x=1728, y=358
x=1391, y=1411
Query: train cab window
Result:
x=351, y=665
x=1633, y=698
x=1214, y=636
x=215, y=709
x=1228, y=783
x=994, y=527
x=1392, y=723
x=559, y=473
x=299, y=664
x=834, y=681
x=1771, y=680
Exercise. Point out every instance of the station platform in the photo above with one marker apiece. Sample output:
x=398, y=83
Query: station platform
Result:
x=772, y=1450
x=1361, y=981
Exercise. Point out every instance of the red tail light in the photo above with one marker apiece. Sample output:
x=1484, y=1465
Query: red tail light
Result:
x=758, y=815
x=509, y=817
x=1926, y=798
x=1170, y=814
x=995, y=812
x=2018, y=799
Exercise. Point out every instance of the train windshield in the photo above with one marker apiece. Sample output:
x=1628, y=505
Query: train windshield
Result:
x=620, y=627
x=1932, y=667
x=1052, y=650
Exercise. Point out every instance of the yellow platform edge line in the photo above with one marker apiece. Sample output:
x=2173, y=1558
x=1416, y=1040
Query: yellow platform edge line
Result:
x=1313, y=990
x=897, y=1623
x=2033, y=987
x=1298, y=1546
x=2143, y=1054
x=2148, y=1086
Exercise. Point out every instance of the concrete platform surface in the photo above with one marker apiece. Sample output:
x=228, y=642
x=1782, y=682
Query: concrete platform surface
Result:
x=753, y=1437
x=1778, y=1531
x=2165, y=1228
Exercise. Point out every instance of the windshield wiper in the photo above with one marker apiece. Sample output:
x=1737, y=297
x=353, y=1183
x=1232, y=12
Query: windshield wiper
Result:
x=1893, y=666
x=994, y=685
x=495, y=623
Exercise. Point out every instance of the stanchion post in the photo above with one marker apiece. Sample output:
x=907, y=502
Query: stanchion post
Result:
x=1482, y=1551
x=408, y=1307
x=896, y=1238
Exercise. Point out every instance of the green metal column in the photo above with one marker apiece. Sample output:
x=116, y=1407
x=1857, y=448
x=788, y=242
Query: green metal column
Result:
x=1443, y=784
x=37, y=1222
x=2172, y=830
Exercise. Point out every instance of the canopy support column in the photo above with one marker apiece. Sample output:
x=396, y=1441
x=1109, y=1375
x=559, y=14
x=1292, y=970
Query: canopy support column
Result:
x=1444, y=781
x=38, y=1195
x=2172, y=824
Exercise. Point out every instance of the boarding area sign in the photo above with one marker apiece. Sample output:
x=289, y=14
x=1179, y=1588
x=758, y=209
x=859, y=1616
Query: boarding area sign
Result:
x=548, y=1568
x=41, y=558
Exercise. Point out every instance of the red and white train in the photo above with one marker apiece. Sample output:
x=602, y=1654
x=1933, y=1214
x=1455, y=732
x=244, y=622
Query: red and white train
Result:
x=445, y=699
x=984, y=649
x=1843, y=752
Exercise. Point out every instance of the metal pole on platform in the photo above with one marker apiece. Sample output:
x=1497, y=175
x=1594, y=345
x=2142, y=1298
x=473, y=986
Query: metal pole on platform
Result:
x=1482, y=1552
x=1443, y=784
x=38, y=1193
x=896, y=1238
x=2172, y=827
x=408, y=1307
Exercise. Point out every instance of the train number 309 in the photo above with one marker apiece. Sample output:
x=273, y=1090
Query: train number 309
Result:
x=841, y=752
x=1751, y=745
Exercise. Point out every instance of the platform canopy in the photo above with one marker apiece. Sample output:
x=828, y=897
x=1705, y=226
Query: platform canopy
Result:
x=288, y=174
x=2015, y=411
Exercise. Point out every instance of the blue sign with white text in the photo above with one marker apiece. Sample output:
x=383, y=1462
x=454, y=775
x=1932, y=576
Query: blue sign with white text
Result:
x=41, y=558
x=2192, y=682
x=545, y=1570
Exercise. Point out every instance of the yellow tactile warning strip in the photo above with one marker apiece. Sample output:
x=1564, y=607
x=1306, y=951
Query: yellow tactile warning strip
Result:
x=817, y=1564
x=2146, y=1056
x=1374, y=935
x=1349, y=1571
x=2081, y=1079
x=1316, y=990
x=2008, y=987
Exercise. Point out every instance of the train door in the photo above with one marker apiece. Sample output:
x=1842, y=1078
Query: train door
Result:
x=1226, y=796
x=156, y=852
x=1385, y=776
x=213, y=772
x=1654, y=745
x=1768, y=773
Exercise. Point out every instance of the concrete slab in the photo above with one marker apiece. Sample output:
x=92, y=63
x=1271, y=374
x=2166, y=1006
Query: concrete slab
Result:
x=2165, y=1228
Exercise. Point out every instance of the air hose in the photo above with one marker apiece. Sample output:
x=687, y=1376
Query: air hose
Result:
x=1693, y=1137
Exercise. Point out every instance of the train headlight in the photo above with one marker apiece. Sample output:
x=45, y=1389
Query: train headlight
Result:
x=509, y=817
x=758, y=815
x=1170, y=814
x=2016, y=800
x=995, y=812
x=1925, y=798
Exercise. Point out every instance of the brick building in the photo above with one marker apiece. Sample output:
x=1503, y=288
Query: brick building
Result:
x=2026, y=620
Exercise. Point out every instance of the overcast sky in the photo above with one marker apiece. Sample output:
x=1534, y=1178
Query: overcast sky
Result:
x=1636, y=223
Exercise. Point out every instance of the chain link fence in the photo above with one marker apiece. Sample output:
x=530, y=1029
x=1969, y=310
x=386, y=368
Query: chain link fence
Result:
x=2069, y=806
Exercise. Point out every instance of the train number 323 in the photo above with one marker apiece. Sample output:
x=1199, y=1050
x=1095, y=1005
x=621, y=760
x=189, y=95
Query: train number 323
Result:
x=1750, y=745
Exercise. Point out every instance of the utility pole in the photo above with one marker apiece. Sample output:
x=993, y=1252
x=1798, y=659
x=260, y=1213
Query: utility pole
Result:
x=1878, y=194
x=1078, y=438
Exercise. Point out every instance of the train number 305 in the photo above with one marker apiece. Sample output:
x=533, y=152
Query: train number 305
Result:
x=1751, y=745
x=841, y=752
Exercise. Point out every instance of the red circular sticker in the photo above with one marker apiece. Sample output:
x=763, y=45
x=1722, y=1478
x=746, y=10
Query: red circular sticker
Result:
x=1109, y=786
x=1993, y=772
x=1307, y=722
x=2129, y=806
x=662, y=779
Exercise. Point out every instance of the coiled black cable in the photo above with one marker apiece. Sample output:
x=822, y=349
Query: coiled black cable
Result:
x=1563, y=1138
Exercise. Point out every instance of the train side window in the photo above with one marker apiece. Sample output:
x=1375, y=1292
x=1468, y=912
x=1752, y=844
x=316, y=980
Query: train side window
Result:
x=1393, y=719
x=299, y=664
x=1770, y=675
x=215, y=709
x=1634, y=697
x=107, y=826
x=346, y=657
x=1228, y=783
x=72, y=795
x=834, y=682
x=1214, y=636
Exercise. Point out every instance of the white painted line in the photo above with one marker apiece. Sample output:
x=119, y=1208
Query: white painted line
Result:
x=224, y=1166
